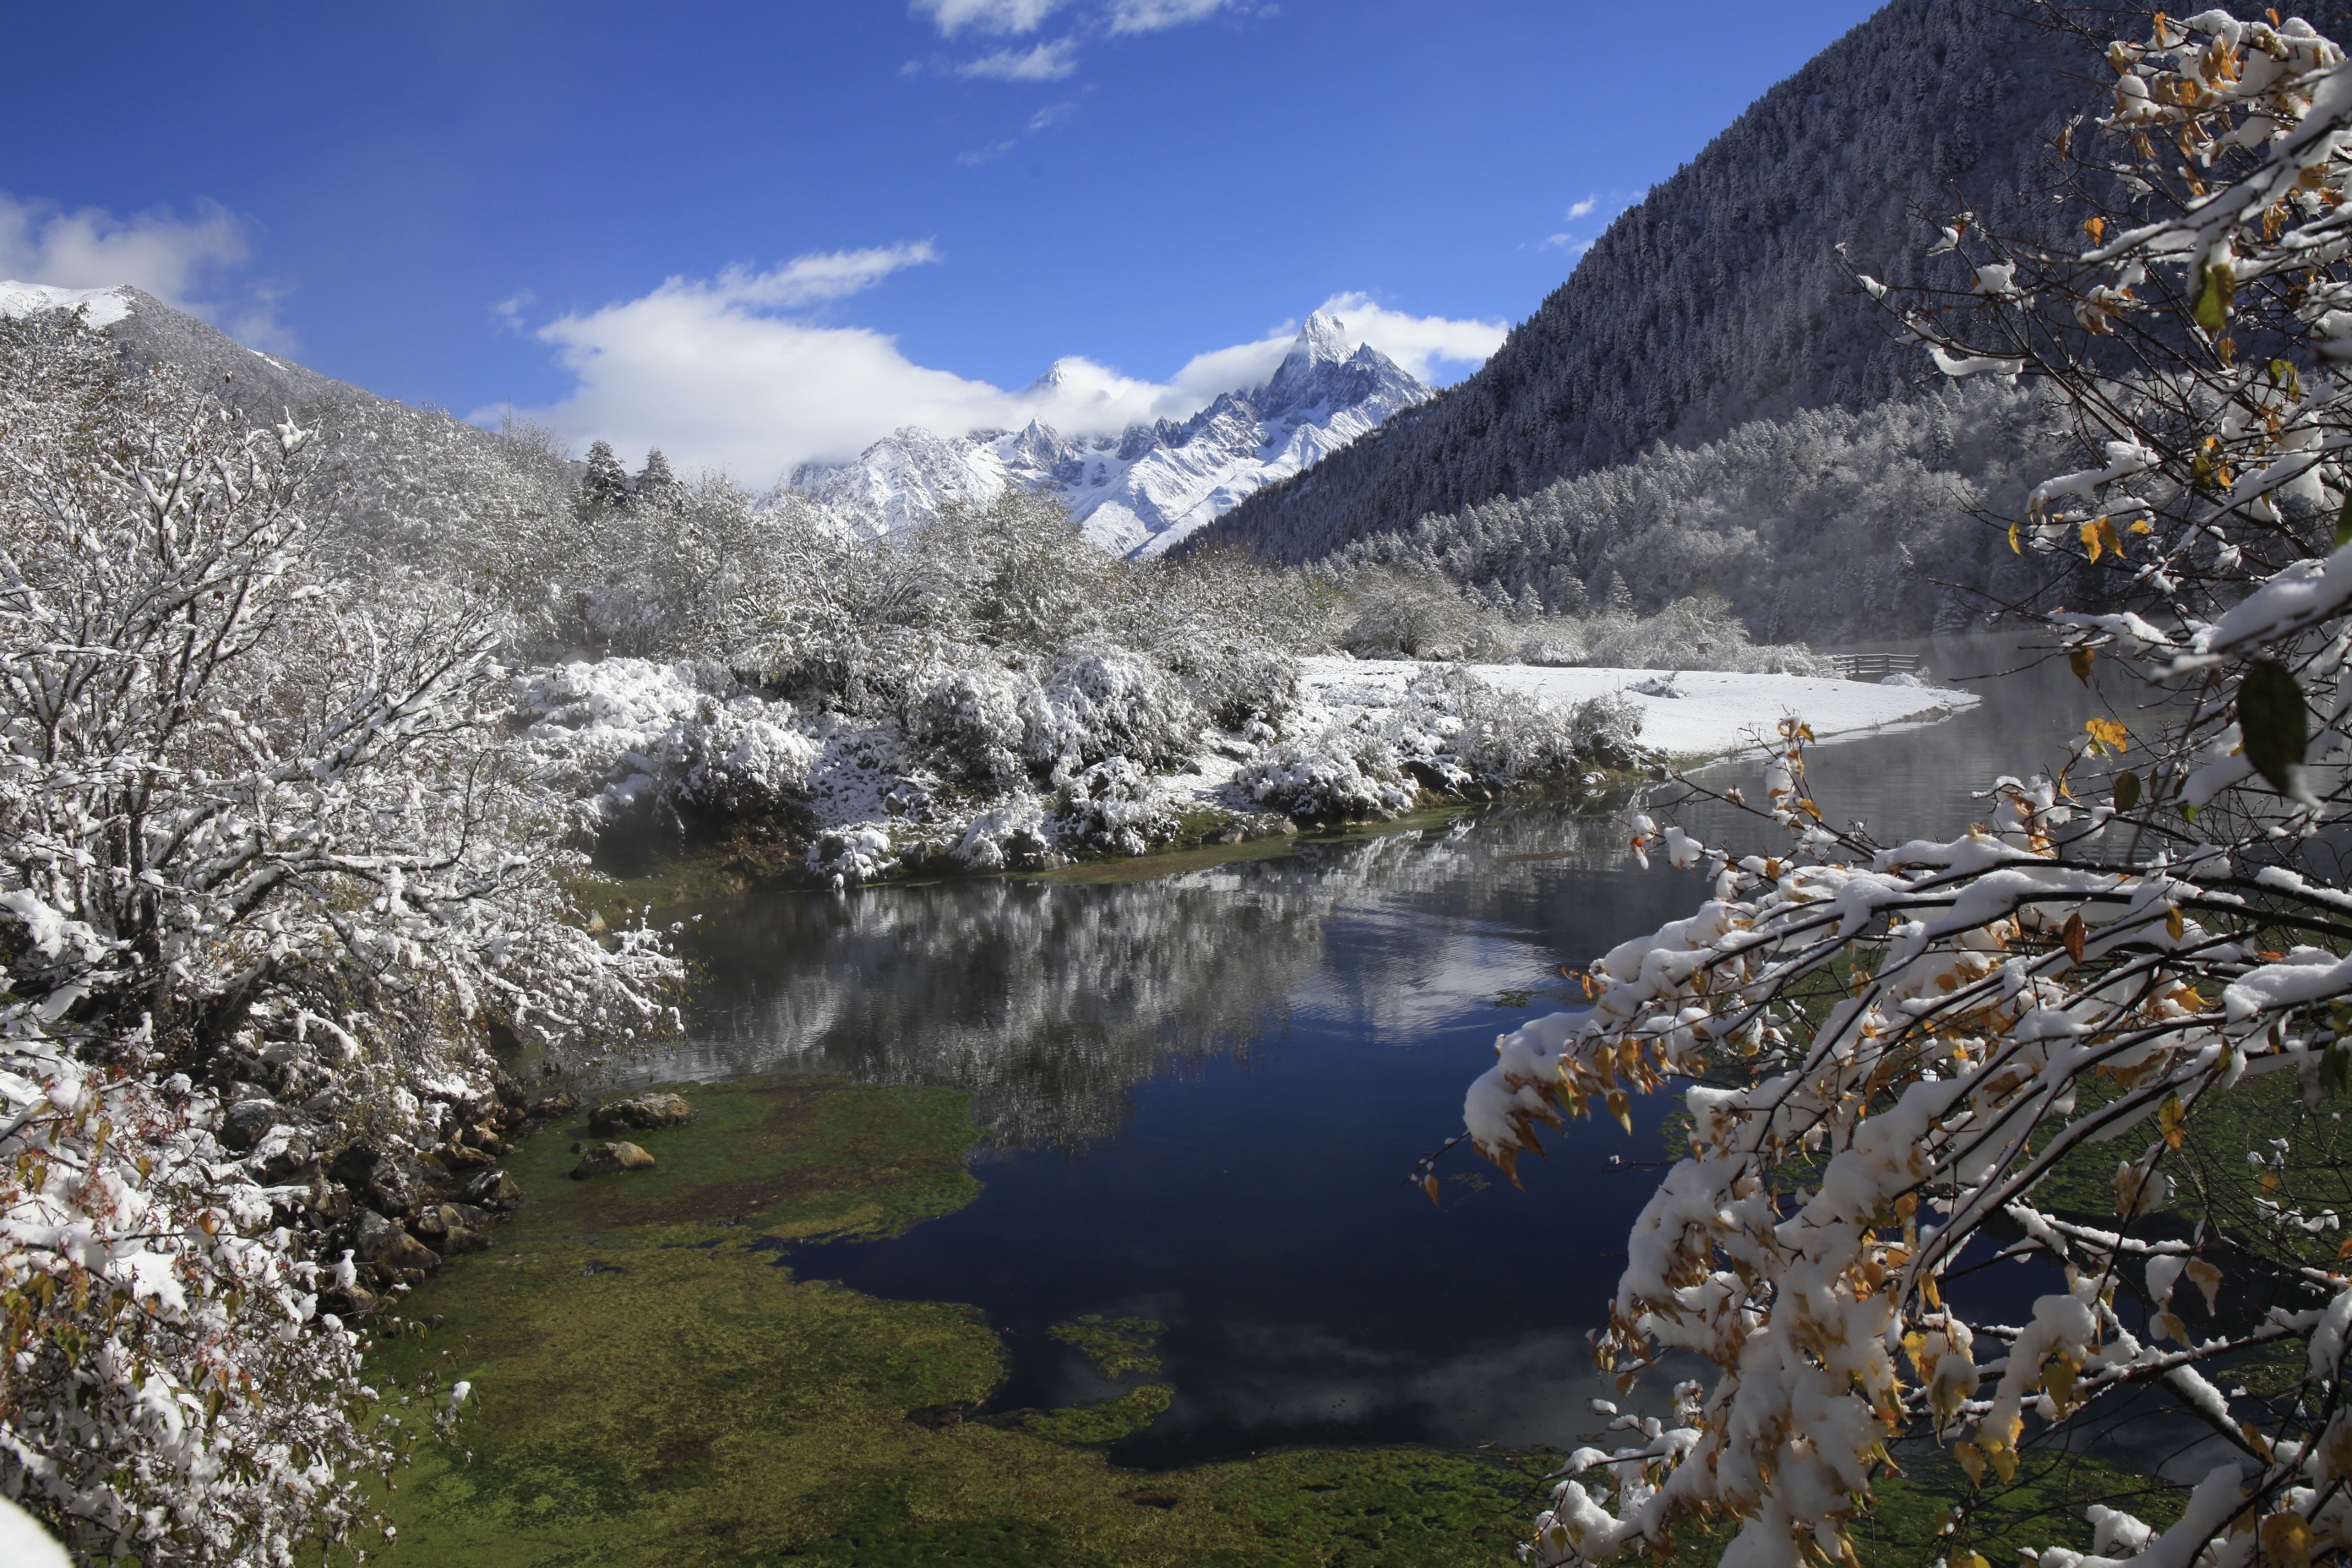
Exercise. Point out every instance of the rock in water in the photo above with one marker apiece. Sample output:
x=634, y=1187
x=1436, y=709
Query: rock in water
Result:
x=600, y=1159
x=639, y=1115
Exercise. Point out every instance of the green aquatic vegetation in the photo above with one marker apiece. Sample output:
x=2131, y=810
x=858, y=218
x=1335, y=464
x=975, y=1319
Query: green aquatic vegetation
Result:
x=1105, y=1421
x=657, y=1382
x=1117, y=1346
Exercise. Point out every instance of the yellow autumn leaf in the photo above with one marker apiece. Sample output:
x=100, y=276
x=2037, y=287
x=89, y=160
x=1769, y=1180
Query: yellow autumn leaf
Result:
x=2015, y=548
x=2207, y=1278
x=2142, y=526
x=2108, y=733
x=2091, y=541
x=1621, y=1106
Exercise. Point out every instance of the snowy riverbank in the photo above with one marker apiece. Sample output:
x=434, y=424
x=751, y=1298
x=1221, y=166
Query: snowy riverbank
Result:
x=853, y=799
x=1713, y=714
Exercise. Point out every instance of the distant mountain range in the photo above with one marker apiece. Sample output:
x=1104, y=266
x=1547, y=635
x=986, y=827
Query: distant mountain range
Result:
x=1151, y=486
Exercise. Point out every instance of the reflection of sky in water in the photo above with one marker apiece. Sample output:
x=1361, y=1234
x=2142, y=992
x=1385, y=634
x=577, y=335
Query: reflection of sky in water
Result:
x=1203, y=1092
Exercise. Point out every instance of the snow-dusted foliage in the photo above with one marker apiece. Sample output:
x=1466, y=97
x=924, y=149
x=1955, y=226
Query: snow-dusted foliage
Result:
x=1897, y=1051
x=1338, y=773
x=1115, y=808
x=171, y=1390
x=1003, y=838
x=622, y=734
x=259, y=825
x=1104, y=701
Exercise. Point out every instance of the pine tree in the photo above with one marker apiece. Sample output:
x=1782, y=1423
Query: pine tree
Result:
x=606, y=486
x=656, y=486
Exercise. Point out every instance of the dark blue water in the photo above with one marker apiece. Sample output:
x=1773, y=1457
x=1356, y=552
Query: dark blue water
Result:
x=1203, y=1093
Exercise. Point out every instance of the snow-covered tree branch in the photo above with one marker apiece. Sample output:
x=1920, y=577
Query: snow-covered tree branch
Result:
x=1899, y=1053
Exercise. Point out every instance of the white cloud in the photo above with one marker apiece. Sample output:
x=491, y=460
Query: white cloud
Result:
x=1580, y=209
x=1151, y=15
x=1049, y=61
x=1052, y=114
x=952, y=16
x=717, y=376
x=180, y=261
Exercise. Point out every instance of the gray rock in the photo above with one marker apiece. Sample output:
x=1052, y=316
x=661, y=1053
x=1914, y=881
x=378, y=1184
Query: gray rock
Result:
x=379, y=1241
x=247, y=1120
x=280, y=1155
x=492, y=1190
x=639, y=1115
x=604, y=1159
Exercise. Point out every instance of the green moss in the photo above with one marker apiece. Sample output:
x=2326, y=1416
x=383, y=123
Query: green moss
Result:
x=1105, y=1421
x=1117, y=1346
x=650, y=1387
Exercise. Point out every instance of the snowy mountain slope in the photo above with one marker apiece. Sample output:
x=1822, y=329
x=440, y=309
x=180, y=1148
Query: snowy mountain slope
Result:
x=1721, y=298
x=1151, y=486
x=148, y=332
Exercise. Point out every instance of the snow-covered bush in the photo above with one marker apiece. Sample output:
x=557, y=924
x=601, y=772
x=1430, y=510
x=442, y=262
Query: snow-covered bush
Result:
x=1099, y=701
x=851, y=854
x=1115, y=808
x=1004, y=838
x=622, y=734
x=1698, y=632
x=1334, y=775
x=169, y=1389
x=259, y=825
x=975, y=717
x=1493, y=736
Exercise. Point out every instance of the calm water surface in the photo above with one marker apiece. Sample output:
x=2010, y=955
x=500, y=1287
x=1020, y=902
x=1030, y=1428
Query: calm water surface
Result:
x=1202, y=1091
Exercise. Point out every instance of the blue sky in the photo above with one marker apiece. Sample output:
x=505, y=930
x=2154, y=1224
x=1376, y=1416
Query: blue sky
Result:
x=761, y=233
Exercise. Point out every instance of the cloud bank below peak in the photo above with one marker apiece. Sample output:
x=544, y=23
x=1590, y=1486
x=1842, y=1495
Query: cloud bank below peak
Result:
x=720, y=374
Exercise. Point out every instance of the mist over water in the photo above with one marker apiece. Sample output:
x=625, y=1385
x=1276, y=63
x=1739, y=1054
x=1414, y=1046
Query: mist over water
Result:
x=1201, y=1092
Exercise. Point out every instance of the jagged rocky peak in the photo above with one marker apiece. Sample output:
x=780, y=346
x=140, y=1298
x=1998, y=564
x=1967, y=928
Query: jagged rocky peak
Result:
x=1138, y=490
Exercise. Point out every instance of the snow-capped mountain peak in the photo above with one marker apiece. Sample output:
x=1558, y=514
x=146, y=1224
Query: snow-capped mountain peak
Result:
x=1142, y=490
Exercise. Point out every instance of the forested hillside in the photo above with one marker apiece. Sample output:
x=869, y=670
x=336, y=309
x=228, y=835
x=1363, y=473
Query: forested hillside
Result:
x=1719, y=299
x=1826, y=526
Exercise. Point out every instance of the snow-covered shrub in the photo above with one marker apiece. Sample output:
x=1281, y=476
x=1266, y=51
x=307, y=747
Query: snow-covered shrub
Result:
x=1115, y=808
x=1251, y=690
x=743, y=757
x=1418, y=614
x=622, y=734
x=1493, y=736
x=852, y=855
x=975, y=717
x=1608, y=729
x=1100, y=701
x=169, y=1388
x=1698, y=632
x=1330, y=776
x=1006, y=838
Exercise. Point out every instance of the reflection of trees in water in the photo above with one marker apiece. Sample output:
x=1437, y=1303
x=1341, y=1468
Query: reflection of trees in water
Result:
x=1051, y=1001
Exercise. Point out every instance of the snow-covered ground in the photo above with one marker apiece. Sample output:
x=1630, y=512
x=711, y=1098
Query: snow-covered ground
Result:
x=1714, y=714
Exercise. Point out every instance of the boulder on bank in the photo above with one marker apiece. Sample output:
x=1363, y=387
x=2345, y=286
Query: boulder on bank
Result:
x=451, y=1228
x=492, y=1190
x=602, y=1158
x=379, y=1241
x=549, y=1107
x=376, y=1181
x=639, y=1115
